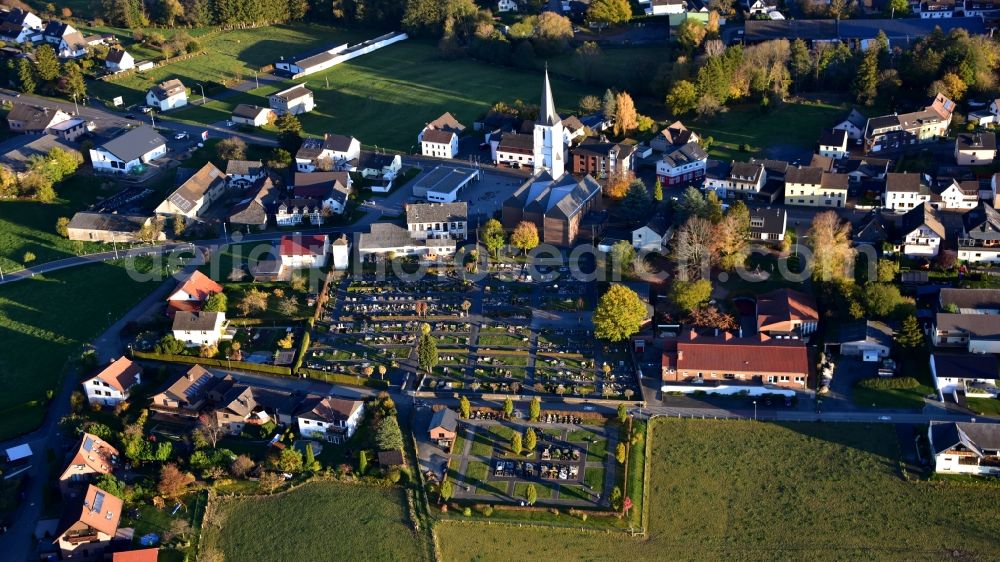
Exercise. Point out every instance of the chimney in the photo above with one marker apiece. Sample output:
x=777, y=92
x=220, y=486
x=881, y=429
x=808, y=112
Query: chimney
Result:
x=189, y=376
x=680, y=355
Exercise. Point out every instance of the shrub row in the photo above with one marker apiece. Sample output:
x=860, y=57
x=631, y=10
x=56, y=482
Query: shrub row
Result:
x=222, y=363
x=890, y=383
x=343, y=379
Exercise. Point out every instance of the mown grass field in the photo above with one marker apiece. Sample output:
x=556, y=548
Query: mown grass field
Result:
x=788, y=129
x=723, y=490
x=30, y=226
x=46, y=320
x=317, y=521
x=383, y=98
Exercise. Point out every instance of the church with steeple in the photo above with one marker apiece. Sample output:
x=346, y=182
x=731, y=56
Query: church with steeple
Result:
x=565, y=209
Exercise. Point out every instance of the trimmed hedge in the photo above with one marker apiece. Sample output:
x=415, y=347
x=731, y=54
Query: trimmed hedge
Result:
x=890, y=383
x=221, y=363
x=343, y=379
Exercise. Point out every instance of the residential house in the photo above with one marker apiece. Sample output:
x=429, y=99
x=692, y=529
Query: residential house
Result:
x=768, y=224
x=695, y=358
x=904, y=191
x=976, y=333
x=340, y=249
x=92, y=458
x=389, y=239
x=975, y=149
x=682, y=166
x=746, y=179
x=959, y=195
x=129, y=151
x=936, y=9
x=963, y=375
x=871, y=230
x=377, y=166
x=815, y=188
x=443, y=428
x=88, y=524
x=980, y=8
x=19, y=26
x=192, y=293
x=119, y=60
x=667, y=7
x=331, y=189
x=21, y=150
x=72, y=46
x=787, y=314
x=55, y=30
x=334, y=152
x=252, y=115
x=199, y=328
x=506, y=6
x=167, y=95
x=295, y=100
x=866, y=168
x=965, y=448
x=297, y=210
x=34, y=119
x=437, y=220
x=514, y=150
x=329, y=418
x=298, y=251
x=439, y=138
x=654, y=235
x=602, y=159
x=759, y=7
x=717, y=177
x=556, y=207
x=868, y=339
x=253, y=211
x=113, y=383
x=193, y=197
x=187, y=396
x=893, y=132
x=672, y=137
x=979, y=241
x=439, y=143
x=922, y=231
x=71, y=130
x=234, y=406
x=969, y=301
x=833, y=143
x=244, y=173
x=111, y=227
x=574, y=129
x=853, y=124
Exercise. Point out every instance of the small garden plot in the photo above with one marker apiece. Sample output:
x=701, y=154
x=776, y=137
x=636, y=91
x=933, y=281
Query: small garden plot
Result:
x=502, y=340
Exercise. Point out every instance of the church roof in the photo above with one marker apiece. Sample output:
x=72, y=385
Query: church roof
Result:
x=547, y=113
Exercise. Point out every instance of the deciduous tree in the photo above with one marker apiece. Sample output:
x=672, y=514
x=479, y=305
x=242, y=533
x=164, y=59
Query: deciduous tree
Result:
x=830, y=242
x=173, y=483
x=619, y=314
x=493, y=236
x=525, y=236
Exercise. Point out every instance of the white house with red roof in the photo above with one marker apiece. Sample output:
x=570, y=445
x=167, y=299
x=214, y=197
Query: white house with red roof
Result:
x=93, y=457
x=112, y=384
x=191, y=294
x=299, y=251
x=88, y=525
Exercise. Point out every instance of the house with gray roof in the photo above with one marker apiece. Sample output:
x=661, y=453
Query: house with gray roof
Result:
x=922, y=232
x=976, y=333
x=129, y=152
x=390, y=239
x=253, y=210
x=108, y=227
x=969, y=301
x=195, y=194
x=960, y=375
x=167, y=95
x=965, y=448
x=979, y=241
x=438, y=220
x=34, y=119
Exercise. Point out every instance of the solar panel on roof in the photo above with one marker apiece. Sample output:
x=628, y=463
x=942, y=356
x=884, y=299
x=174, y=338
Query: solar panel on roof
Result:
x=88, y=444
x=98, y=501
x=195, y=386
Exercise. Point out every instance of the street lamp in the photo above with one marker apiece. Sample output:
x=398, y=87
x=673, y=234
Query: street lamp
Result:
x=202, y=93
x=754, y=410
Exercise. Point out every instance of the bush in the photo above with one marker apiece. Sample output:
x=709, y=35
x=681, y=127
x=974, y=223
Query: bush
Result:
x=893, y=383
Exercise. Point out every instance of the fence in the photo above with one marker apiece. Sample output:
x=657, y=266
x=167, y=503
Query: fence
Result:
x=212, y=362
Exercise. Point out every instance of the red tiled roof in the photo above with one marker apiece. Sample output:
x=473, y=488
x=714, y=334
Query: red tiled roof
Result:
x=782, y=306
x=121, y=374
x=94, y=453
x=298, y=245
x=729, y=354
x=199, y=286
x=142, y=555
x=173, y=307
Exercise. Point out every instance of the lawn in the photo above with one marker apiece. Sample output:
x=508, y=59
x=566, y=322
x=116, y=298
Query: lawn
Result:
x=317, y=521
x=44, y=321
x=984, y=406
x=786, y=130
x=831, y=492
x=383, y=98
x=29, y=226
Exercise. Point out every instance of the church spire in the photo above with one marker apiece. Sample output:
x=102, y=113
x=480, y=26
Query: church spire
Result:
x=547, y=113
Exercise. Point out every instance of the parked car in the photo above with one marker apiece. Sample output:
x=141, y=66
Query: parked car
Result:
x=180, y=136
